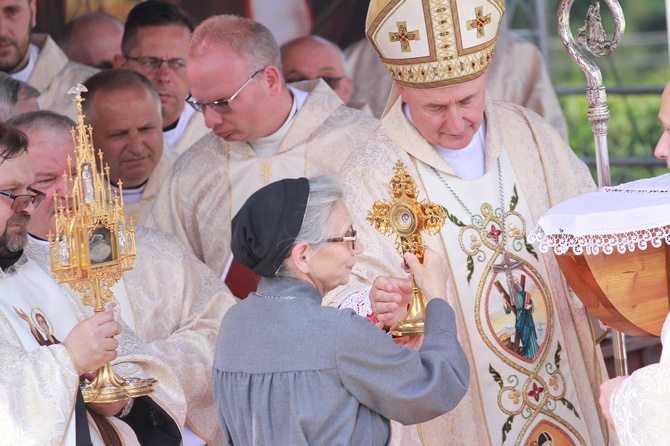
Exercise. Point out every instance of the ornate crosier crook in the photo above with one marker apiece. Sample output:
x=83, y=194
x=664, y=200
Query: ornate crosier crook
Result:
x=406, y=217
x=592, y=37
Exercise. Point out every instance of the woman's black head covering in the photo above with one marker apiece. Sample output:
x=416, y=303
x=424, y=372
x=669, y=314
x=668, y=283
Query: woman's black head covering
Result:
x=266, y=226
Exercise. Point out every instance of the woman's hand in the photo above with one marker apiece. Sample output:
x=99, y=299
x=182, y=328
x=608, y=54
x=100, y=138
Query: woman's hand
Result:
x=431, y=276
x=413, y=341
x=389, y=298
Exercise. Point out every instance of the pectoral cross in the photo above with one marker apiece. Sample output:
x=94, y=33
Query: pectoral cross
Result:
x=479, y=21
x=506, y=267
x=403, y=36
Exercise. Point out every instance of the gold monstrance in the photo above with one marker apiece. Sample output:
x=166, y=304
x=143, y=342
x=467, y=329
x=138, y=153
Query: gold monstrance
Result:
x=407, y=218
x=92, y=247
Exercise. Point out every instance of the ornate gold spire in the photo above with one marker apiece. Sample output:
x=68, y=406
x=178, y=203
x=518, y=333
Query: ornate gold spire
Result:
x=93, y=246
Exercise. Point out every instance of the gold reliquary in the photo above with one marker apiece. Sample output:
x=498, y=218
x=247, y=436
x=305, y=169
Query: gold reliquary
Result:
x=407, y=218
x=93, y=246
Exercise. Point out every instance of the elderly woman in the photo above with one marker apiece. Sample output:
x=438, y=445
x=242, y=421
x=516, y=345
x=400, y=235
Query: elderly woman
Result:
x=289, y=371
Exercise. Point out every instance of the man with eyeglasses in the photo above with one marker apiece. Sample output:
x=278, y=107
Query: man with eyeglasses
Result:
x=155, y=43
x=313, y=57
x=262, y=131
x=17, y=198
x=124, y=109
x=48, y=339
x=36, y=59
x=176, y=302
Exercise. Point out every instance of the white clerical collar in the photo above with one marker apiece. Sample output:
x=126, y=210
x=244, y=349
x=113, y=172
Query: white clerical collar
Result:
x=131, y=195
x=37, y=240
x=24, y=74
x=469, y=163
x=269, y=145
x=172, y=136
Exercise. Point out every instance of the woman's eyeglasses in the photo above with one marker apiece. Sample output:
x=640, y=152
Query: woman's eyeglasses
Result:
x=347, y=238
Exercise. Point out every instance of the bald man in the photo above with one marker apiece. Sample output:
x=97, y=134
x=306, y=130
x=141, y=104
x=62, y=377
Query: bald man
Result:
x=92, y=39
x=311, y=57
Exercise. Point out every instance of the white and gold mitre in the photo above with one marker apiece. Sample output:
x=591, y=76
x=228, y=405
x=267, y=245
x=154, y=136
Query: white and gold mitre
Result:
x=434, y=43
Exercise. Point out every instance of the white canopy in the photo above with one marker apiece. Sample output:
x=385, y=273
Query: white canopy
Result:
x=623, y=218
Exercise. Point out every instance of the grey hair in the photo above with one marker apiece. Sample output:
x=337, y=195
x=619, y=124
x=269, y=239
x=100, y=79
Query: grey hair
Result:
x=324, y=193
x=250, y=40
x=43, y=119
x=11, y=91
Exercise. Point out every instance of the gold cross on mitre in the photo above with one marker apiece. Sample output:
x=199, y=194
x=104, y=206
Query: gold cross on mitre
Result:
x=479, y=21
x=403, y=36
x=406, y=217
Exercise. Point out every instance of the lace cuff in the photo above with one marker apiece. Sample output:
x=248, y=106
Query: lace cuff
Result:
x=359, y=301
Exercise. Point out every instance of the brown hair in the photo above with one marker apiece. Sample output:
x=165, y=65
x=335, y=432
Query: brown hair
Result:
x=13, y=142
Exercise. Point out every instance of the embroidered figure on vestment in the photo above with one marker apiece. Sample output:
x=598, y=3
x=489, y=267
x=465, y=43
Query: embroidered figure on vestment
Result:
x=513, y=310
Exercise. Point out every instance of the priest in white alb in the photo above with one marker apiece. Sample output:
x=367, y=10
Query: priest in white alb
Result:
x=495, y=168
x=169, y=298
x=49, y=339
x=262, y=131
x=638, y=406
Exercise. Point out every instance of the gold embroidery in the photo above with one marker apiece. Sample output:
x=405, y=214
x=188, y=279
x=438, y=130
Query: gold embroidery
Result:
x=403, y=36
x=531, y=392
x=479, y=21
x=266, y=170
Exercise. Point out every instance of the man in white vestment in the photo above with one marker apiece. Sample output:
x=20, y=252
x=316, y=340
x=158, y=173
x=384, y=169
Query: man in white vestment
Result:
x=37, y=60
x=638, y=406
x=517, y=73
x=262, y=131
x=125, y=111
x=170, y=299
x=155, y=43
x=495, y=168
x=49, y=339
